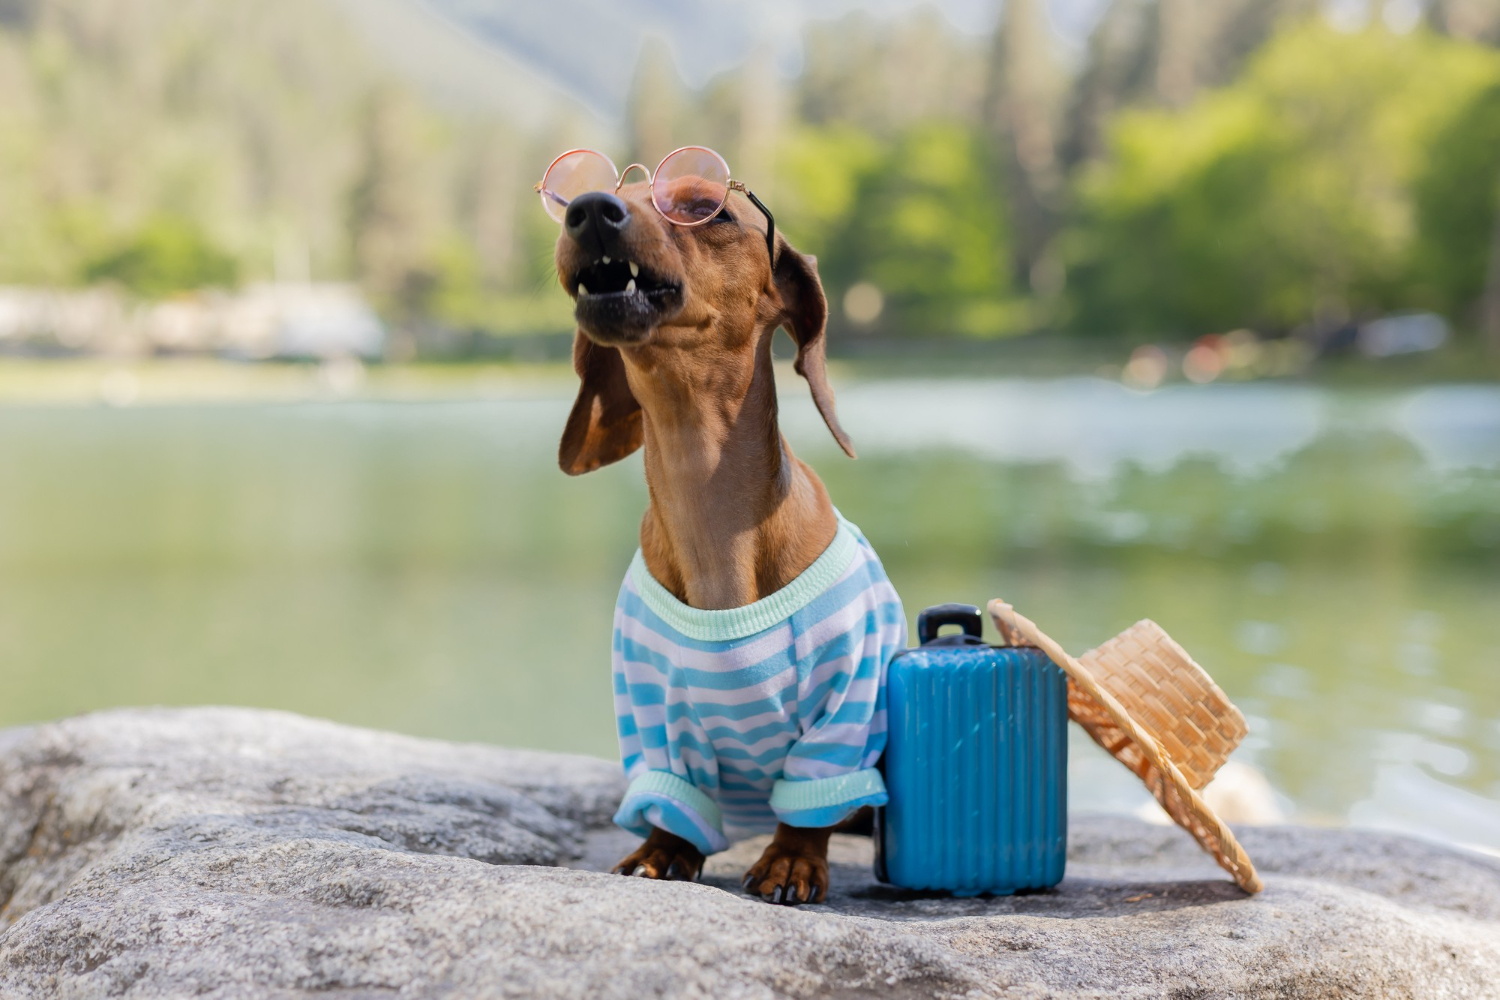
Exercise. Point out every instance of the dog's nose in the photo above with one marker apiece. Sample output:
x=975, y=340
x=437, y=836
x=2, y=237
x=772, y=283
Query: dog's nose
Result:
x=596, y=220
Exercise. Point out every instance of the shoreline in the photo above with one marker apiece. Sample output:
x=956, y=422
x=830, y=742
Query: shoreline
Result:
x=196, y=380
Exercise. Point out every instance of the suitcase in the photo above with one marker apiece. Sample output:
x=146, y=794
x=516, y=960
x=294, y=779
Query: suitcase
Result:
x=976, y=763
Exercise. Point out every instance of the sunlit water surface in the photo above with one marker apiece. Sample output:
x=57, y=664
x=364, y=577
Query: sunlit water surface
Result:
x=1333, y=559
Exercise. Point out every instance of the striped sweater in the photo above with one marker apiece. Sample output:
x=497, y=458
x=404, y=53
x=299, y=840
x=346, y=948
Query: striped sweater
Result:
x=732, y=720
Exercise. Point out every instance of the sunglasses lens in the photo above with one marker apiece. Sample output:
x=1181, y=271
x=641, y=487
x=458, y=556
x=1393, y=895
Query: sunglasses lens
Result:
x=573, y=174
x=691, y=185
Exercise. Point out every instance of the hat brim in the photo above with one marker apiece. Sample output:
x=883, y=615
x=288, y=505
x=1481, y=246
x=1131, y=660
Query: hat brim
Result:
x=1113, y=728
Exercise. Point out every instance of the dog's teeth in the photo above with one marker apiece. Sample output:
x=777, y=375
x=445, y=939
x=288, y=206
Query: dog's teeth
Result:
x=635, y=269
x=606, y=260
x=630, y=286
x=582, y=290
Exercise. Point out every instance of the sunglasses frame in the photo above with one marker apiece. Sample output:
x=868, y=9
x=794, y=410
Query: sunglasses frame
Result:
x=730, y=184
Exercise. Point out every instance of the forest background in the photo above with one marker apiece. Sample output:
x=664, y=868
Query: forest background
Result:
x=1279, y=166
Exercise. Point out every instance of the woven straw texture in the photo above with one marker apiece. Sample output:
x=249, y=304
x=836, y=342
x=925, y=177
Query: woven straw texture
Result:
x=1111, y=724
x=1157, y=682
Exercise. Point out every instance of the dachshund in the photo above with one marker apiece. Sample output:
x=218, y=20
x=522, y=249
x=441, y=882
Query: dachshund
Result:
x=753, y=630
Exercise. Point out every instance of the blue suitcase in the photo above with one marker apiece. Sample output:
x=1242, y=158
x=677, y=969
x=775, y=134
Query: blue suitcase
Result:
x=976, y=763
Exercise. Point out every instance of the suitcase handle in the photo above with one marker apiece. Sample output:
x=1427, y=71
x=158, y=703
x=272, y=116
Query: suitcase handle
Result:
x=965, y=616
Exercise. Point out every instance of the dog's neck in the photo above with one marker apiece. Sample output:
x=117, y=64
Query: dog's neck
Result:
x=734, y=515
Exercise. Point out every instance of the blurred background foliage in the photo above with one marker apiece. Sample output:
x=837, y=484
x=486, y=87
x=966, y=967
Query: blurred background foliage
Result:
x=165, y=255
x=1281, y=165
x=1295, y=193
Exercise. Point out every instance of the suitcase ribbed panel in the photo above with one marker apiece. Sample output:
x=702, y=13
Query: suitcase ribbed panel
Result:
x=976, y=766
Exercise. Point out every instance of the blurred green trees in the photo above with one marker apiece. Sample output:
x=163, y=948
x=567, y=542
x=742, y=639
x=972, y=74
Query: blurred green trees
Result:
x=386, y=222
x=1326, y=183
x=165, y=255
x=921, y=219
x=1208, y=169
x=1457, y=197
x=928, y=228
x=1203, y=167
x=167, y=147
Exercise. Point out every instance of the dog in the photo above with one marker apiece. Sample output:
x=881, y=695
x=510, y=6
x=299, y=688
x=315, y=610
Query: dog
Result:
x=725, y=725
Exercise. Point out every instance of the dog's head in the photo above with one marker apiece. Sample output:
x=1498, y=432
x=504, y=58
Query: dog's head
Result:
x=675, y=297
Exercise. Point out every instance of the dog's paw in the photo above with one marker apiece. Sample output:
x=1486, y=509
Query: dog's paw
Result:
x=788, y=874
x=663, y=856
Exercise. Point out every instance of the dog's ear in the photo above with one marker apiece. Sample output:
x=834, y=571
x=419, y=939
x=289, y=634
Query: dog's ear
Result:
x=805, y=315
x=605, y=424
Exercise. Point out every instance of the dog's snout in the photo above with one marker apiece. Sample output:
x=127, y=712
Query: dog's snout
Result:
x=596, y=220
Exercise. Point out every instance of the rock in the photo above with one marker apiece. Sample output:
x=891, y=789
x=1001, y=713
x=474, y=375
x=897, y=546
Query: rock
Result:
x=236, y=853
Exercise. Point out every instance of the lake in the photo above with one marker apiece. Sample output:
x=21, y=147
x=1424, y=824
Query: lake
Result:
x=1332, y=558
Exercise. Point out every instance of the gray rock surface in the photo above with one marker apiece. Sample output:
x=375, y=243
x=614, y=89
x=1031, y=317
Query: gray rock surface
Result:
x=237, y=853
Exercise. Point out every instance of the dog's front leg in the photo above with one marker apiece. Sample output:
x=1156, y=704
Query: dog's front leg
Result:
x=794, y=867
x=663, y=855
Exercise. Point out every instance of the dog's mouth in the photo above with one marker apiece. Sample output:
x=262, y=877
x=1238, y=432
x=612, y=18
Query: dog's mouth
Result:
x=622, y=300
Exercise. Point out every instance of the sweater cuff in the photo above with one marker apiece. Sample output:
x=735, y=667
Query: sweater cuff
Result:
x=825, y=801
x=663, y=800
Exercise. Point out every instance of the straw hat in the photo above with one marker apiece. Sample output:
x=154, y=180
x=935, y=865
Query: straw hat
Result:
x=1142, y=698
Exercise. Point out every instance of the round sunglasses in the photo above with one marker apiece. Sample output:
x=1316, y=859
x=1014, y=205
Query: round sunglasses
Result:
x=689, y=187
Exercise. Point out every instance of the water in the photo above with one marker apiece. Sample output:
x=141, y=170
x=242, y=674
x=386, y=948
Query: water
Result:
x=1332, y=558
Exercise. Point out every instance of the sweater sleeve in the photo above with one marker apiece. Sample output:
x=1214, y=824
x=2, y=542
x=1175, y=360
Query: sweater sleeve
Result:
x=830, y=769
x=663, y=800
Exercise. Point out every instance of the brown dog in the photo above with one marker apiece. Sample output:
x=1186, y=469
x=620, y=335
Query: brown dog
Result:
x=683, y=367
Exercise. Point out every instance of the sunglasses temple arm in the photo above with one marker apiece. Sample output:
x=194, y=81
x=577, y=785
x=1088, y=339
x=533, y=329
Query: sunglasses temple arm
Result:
x=770, y=224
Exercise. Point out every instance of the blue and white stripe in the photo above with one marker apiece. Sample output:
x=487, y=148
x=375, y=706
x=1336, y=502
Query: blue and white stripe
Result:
x=732, y=720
